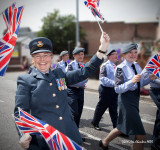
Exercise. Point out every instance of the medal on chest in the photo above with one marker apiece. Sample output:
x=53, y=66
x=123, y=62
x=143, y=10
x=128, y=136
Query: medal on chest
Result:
x=61, y=83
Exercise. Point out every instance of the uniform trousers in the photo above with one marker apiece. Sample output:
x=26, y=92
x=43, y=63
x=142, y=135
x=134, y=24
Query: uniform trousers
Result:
x=107, y=99
x=155, y=95
x=76, y=102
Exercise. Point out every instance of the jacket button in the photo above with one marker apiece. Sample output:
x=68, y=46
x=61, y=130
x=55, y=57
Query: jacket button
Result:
x=60, y=118
x=54, y=95
x=50, y=84
x=57, y=106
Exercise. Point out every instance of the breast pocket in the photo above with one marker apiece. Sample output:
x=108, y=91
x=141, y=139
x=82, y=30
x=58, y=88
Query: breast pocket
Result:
x=128, y=75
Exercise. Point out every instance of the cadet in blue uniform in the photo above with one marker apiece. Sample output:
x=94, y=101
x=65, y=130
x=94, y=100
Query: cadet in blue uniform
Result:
x=155, y=95
x=76, y=91
x=107, y=94
x=127, y=84
x=42, y=92
x=63, y=63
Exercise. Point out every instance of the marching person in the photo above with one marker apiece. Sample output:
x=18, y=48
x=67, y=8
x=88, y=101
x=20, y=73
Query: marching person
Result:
x=42, y=92
x=76, y=91
x=107, y=94
x=127, y=84
x=63, y=63
x=155, y=95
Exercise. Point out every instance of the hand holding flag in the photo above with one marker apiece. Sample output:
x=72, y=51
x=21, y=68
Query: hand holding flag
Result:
x=25, y=140
x=55, y=139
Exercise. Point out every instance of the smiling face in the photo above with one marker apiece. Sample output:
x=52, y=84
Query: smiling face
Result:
x=79, y=57
x=42, y=61
x=131, y=56
x=113, y=57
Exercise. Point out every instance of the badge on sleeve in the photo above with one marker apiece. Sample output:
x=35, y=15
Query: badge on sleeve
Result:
x=103, y=72
x=118, y=72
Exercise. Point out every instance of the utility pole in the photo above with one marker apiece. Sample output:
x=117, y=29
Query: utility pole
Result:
x=158, y=18
x=77, y=24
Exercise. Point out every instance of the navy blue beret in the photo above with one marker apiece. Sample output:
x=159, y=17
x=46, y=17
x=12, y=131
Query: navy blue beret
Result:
x=110, y=51
x=63, y=53
x=129, y=47
x=78, y=50
x=40, y=44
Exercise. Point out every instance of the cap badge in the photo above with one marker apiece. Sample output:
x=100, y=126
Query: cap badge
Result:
x=40, y=44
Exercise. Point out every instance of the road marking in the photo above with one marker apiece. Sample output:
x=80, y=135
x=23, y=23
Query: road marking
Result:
x=92, y=92
x=1, y=101
x=154, y=106
x=149, y=122
x=106, y=112
x=98, y=139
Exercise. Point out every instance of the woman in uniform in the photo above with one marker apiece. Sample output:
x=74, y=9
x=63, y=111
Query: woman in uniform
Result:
x=127, y=84
x=43, y=93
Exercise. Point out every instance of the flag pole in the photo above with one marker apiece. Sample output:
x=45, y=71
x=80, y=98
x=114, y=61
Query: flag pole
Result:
x=1, y=12
x=99, y=25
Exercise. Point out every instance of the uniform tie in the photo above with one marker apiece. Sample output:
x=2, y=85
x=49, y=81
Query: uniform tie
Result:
x=138, y=83
x=65, y=64
x=79, y=66
x=47, y=74
x=114, y=66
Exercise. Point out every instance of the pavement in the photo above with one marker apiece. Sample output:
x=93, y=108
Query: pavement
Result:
x=93, y=84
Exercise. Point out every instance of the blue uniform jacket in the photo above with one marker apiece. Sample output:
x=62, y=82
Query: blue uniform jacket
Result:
x=74, y=66
x=106, y=75
x=61, y=65
x=123, y=76
x=39, y=95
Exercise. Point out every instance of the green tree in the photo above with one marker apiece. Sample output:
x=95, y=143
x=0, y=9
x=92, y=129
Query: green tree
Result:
x=60, y=30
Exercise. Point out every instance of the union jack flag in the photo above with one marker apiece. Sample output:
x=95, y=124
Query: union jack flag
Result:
x=154, y=65
x=55, y=139
x=93, y=5
x=7, y=16
x=12, y=17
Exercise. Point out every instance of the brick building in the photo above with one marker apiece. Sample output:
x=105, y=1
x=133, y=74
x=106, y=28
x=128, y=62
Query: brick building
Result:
x=119, y=32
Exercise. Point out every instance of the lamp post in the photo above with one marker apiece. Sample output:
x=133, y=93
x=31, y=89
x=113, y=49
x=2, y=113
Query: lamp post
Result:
x=77, y=24
x=69, y=46
x=158, y=18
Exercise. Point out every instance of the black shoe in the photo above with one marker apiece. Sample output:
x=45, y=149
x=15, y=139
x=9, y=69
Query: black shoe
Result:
x=102, y=146
x=83, y=139
x=154, y=147
x=95, y=126
x=124, y=135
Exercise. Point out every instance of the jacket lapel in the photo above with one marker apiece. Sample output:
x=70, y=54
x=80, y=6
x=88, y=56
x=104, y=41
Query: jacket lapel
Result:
x=37, y=74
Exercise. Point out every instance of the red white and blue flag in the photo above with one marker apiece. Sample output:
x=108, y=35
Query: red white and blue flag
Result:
x=12, y=17
x=7, y=16
x=154, y=65
x=55, y=139
x=93, y=5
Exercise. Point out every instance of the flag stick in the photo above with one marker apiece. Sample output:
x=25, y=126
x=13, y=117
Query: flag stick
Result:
x=20, y=132
x=99, y=25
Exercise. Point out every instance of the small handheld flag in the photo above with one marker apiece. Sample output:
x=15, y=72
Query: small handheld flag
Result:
x=154, y=65
x=12, y=17
x=93, y=5
x=55, y=139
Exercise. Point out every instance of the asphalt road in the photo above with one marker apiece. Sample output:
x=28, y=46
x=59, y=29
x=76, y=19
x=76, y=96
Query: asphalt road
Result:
x=9, y=137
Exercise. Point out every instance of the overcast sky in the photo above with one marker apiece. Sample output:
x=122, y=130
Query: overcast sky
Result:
x=112, y=10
